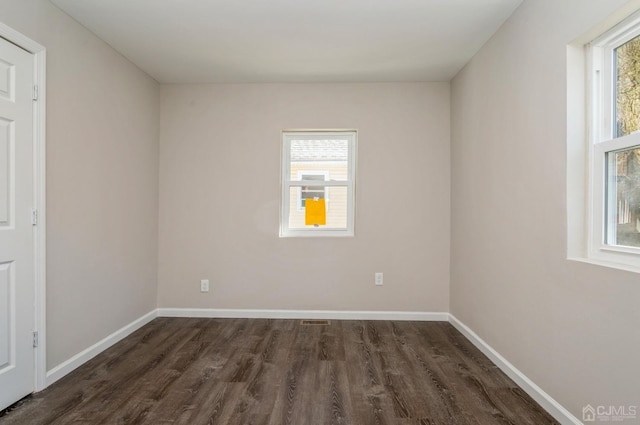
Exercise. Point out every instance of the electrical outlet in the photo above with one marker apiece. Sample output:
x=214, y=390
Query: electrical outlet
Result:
x=378, y=279
x=204, y=285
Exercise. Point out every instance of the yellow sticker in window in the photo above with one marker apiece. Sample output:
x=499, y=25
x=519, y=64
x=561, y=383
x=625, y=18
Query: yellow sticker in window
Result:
x=315, y=212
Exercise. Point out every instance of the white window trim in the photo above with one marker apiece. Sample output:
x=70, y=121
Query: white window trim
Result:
x=601, y=119
x=287, y=184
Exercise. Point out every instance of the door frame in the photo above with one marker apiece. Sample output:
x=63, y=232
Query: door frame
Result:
x=39, y=201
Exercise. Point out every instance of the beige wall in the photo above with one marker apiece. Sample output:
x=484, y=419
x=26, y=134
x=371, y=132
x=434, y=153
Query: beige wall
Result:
x=102, y=154
x=570, y=327
x=220, y=191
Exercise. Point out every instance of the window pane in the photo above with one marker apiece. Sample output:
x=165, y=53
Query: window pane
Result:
x=627, y=59
x=326, y=157
x=623, y=193
x=336, y=205
x=318, y=180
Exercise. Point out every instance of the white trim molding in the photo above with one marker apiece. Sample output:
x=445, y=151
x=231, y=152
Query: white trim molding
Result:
x=547, y=402
x=304, y=314
x=39, y=161
x=87, y=354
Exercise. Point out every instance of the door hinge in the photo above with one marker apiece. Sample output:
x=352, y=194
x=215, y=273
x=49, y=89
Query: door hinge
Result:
x=35, y=339
x=34, y=217
x=35, y=92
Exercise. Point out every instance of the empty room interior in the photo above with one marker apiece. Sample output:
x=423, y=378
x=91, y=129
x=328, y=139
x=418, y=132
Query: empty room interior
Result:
x=302, y=212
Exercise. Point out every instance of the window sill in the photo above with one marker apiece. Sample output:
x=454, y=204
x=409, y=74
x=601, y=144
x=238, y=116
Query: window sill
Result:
x=607, y=263
x=323, y=234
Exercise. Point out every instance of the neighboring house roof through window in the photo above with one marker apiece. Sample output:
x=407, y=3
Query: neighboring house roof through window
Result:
x=319, y=150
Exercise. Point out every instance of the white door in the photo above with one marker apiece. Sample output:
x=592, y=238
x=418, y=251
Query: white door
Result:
x=17, y=268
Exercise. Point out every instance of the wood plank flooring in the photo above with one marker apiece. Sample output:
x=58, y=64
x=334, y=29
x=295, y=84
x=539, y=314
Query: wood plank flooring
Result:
x=277, y=372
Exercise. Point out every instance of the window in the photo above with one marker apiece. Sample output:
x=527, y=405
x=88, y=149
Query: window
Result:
x=615, y=140
x=314, y=165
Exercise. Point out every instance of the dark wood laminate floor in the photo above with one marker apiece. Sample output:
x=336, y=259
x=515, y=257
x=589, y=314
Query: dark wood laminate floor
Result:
x=272, y=372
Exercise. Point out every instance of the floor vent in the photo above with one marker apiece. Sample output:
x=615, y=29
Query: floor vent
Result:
x=315, y=322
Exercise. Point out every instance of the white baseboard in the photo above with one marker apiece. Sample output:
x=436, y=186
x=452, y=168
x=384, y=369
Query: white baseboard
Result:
x=554, y=408
x=547, y=402
x=85, y=355
x=303, y=314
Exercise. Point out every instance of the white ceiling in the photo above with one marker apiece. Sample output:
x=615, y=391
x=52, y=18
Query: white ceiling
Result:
x=200, y=41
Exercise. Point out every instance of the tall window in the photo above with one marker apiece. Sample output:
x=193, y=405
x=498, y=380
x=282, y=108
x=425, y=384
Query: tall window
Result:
x=314, y=165
x=615, y=156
